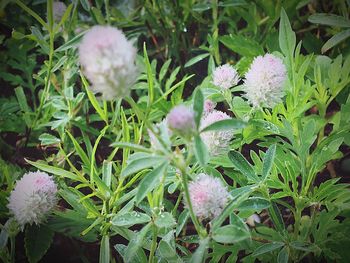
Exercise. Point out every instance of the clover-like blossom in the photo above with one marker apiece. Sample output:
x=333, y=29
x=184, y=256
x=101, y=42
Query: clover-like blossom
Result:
x=181, y=120
x=209, y=106
x=108, y=61
x=264, y=81
x=32, y=198
x=208, y=196
x=225, y=77
x=217, y=142
x=58, y=9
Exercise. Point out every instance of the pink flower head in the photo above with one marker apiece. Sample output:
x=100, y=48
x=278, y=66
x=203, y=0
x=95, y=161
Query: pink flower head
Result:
x=208, y=196
x=225, y=77
x=58, y=9
x=32, y=198
x=216, y=141
x=108, y=61
x=264, y=81
x=181, y=120
x=209, y=106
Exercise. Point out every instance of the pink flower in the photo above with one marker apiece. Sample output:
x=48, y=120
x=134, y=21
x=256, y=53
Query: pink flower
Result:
x=216, y=141
x=32, y=198
x=225, y=77
x=58, y=9
x=264, y=81
x=208, y=196
x=209, y=106
x=108, y=61
x=181, y=120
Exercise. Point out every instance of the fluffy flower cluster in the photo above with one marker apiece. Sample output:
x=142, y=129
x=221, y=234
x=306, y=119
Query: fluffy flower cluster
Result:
x=32, y=198
x=209, y=106
x=208, y=196
x=108, y=61
x=264, y=81
x=225, y=77
x=216, y=141
x=58, y=9
x=181, y=120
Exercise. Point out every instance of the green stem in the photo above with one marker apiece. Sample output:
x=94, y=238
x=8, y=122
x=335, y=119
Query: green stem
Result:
x=47, y=81
x=216, y=32
x=154, y=244
x=13, y=248
x=107, y=11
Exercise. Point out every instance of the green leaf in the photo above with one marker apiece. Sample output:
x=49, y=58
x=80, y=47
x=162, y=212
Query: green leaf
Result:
x=199, y=255
x=276, y=217
x=230, y=234
x=71, y=223
x=267, y=248
x=107, y=173
x=283, y=255
x=55, y=170
x=70, y=44
x=37, y=241
x=242, y=165
x=165, y=219
x=22, y=101
x=198, y=102
x=254, y=203
x=229, y=124
x=196, y=59
x=149, y=76
x=83, y=156
x=167, y=252
x=105, y=253
x=200, y=151
x=287, y=39
x=335, y=40
x=241, y=45
x=268, y=161
x=164, y=69
x=130, y=219
x=150, y=181
x=132, y=146
x=33, y=14
x=98, y=15
x=329, y=20
x=140, y=164
x=48, y=139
